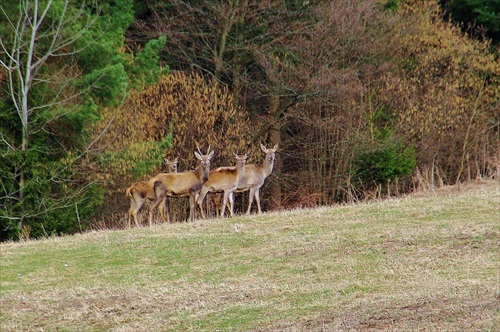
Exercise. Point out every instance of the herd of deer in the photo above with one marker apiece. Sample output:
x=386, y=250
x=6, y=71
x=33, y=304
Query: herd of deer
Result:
x=197, y=183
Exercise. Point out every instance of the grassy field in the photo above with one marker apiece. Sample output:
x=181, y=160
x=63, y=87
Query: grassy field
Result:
x=427, y=262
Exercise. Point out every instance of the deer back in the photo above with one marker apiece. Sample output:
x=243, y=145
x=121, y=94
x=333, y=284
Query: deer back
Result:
x=227, y=178
x=178, y=184
x=141, y=188
x=254, y=176
x=181, y=184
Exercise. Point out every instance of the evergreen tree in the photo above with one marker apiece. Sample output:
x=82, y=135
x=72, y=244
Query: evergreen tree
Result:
x=59, y=62
x=477, y=16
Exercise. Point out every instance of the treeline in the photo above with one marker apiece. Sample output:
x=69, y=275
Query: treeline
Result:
x=363, y=99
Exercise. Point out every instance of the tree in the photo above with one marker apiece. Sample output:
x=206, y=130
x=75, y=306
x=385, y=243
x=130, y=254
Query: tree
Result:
x=60, y=61
x=242, y=44
x=35, y=39
x=445, y=96
x=478, y=17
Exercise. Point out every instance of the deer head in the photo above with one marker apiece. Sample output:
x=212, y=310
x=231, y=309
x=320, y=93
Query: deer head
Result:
x=204, y=167
x=240, y=160
x=270, y=154
x=172, y=164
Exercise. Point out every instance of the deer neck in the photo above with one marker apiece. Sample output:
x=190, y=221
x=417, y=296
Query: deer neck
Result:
x=240, y=171
x=267, y=167
x=202, y=173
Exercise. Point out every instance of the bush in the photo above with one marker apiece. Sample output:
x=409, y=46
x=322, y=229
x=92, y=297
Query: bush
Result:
x=385, y=164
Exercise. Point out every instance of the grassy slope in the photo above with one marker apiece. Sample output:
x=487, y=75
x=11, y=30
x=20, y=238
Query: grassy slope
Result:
x=427, y=262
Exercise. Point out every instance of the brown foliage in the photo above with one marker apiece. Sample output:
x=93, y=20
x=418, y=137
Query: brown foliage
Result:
x=445, y=95
x=191, y=109
x=343, y=56
x=438, y=89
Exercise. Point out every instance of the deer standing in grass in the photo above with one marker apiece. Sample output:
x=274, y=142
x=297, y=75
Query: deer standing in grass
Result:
x=183, y=184
x=223, y=179
x=255, y=176
x=139, y=191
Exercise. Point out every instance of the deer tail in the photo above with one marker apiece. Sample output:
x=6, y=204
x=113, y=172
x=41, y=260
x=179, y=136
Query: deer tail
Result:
x=128, y=192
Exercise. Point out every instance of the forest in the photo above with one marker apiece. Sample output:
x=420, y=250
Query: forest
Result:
x=364, y=99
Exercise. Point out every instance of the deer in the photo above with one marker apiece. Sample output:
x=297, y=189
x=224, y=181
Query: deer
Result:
x=188, y=183
x=172, y=164
x=223, y=179
x=141, y=191
x=255, y=176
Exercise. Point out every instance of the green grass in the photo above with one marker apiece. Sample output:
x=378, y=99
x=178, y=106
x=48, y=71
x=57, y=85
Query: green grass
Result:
x=428, y=262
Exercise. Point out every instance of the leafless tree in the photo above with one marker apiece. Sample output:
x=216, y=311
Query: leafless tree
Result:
x=39, y=37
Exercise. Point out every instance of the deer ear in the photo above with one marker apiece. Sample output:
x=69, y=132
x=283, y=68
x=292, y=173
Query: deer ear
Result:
x=275, y=147
x=197, y=155
x=263, y=148
x=211, y=154
x=165, y=160
x=235, y=155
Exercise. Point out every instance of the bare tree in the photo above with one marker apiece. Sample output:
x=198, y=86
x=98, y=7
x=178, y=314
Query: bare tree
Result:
x=40, y=34
x=243, y=44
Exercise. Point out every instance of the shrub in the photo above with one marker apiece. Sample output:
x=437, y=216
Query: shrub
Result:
x=385, y=164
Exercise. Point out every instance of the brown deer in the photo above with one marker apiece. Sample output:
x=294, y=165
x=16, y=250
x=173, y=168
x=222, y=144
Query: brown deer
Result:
x=223, y=179
x=255, y=175
x=139, y=191
x=182, y=184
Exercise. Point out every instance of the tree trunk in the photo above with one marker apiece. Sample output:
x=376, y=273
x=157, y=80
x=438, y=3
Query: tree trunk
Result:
x=275, y=138
x=237, y=60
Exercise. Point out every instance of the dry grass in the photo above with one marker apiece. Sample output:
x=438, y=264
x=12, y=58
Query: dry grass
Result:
x=428, y=262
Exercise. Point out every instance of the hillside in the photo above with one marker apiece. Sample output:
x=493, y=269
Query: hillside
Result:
x=429, y=261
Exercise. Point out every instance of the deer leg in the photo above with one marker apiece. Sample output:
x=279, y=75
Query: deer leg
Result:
x=136, y=202
x=192, y=206
x=154, y=205
x=167, y=210
x=257, y=199
x=129, y=213
x=134, y=213
x=231, y=202
x=200, y=199
x=250, y=200
x=136, y=219
x=164, y=214
x=160, y=194
x=224, y=203
x=160, y=210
